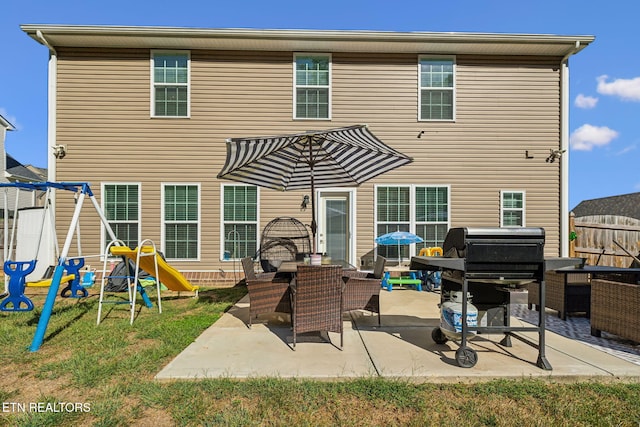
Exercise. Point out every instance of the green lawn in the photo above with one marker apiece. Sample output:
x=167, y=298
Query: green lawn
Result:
x=86, y=374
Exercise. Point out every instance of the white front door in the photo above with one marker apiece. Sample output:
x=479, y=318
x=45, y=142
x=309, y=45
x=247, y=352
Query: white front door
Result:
x=334, y=225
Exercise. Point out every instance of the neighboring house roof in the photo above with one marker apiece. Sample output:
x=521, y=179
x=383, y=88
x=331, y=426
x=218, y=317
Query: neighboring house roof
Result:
x=305, y=40
x=41, y=172
x=18, y=172
x=6, y=124
x=623, y=205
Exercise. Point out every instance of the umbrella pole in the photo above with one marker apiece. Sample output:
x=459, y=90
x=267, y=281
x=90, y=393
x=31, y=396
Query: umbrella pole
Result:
x=314, y=224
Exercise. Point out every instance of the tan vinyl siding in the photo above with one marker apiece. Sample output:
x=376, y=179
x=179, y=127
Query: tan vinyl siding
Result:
x=504, y=106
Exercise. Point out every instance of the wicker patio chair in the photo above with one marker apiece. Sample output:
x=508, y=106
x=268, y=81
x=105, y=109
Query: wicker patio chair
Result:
x=317, y=300
x=250, y=273
x=565, y=293
x=362, y=290
x=267, y=294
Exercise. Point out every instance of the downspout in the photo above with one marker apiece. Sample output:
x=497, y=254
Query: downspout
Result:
x=564, y=147
x=51, y=106
x=51, y=132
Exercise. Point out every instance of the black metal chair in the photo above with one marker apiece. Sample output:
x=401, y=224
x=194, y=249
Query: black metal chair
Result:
x=283, y=239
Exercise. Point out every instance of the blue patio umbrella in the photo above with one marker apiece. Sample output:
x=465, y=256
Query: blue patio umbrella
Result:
x=398, y=238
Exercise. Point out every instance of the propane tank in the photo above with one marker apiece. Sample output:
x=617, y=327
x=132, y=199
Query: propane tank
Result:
x=451, y=316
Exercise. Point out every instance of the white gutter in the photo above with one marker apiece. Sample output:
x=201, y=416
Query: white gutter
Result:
x=564, y=147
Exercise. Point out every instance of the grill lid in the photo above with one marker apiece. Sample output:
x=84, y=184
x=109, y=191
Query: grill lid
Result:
x=493, y=244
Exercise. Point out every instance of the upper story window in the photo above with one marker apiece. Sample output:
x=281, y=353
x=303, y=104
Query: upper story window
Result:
x=121, y=206
x=170, y=92
x=312, y=86
x=512, y=209
x=181, y=221
x=437, y=89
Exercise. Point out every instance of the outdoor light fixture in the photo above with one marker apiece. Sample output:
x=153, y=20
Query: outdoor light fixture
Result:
x=554, y=155
x=305, y=202
x=59, y=151
x=420, y=134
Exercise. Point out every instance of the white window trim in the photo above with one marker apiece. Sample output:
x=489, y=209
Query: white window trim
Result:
x=295, y=86
x=412, y=203
x=524, y=208
x=163, y=185
x=152, y=92
x=222, y=221
x=454, y=89
x=103, y=234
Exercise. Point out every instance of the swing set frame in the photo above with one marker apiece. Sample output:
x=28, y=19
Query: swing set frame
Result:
x=82, y=190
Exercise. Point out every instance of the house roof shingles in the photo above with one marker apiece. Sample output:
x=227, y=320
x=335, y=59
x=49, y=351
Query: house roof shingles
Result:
x=627, y=205
x=20, y=172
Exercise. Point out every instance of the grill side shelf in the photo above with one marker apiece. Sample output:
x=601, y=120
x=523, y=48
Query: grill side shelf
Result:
x=436, y=263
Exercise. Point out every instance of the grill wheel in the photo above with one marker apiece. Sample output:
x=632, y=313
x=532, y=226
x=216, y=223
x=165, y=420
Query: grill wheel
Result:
x=466, y=357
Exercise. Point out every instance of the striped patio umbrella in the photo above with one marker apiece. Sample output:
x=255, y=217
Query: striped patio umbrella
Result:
x=342, y=157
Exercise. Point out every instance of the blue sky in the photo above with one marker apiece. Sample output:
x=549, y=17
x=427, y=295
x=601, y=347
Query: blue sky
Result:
x=604, y=83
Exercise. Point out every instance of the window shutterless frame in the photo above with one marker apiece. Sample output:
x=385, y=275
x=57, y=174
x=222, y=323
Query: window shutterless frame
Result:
x=427, y=209
x=437, y=88
x=239, y=221
x=122, y=205
x=512, y=208
x=170, y=91
x=312, y=73
x=180, y=212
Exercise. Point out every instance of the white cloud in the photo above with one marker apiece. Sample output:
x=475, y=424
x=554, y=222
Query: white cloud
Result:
x=583, y=101
x=627, y=89
x=587, y=136
x=627, y=149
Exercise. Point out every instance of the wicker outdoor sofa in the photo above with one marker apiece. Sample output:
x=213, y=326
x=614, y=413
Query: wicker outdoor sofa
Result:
x=615, y=307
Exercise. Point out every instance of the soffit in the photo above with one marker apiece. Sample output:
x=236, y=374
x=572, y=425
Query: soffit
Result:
x=306, y=40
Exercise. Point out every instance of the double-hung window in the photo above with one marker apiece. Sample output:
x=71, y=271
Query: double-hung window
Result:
x=121, y=206
x=240, y=221
x=181, y=213
x=512, y=208
x=170, y=84
x=312, y=86
x=422, y=210
x=432, y=214
x=437, y=88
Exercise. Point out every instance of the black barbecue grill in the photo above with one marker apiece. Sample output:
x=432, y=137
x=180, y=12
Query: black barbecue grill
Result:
x=486, y=264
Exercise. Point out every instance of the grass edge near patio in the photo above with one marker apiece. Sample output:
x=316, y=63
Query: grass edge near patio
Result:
x=111, y=368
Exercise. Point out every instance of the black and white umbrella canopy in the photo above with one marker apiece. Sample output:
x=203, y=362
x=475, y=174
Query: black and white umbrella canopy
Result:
x=341, y=157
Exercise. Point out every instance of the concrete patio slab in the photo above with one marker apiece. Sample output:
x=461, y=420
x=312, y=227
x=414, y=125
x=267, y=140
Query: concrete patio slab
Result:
x=400, y=348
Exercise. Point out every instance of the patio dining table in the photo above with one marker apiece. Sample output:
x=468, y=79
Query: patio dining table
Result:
x=291, y=267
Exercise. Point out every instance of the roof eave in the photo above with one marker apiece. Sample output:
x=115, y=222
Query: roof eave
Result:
x=6, y=124
x=306, y=40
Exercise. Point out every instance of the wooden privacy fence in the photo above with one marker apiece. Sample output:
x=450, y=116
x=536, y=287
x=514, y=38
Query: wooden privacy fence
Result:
x=595, y=236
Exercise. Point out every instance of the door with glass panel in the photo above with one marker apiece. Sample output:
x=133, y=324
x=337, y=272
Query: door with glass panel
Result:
x=334, y=226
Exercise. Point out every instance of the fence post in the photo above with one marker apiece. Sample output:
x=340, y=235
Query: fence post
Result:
x=572, y=229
